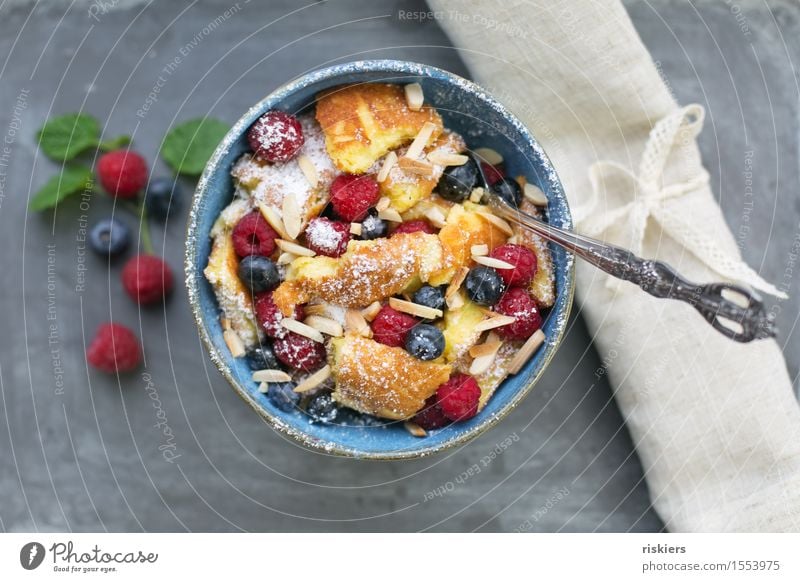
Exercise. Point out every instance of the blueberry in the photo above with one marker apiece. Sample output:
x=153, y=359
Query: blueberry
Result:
x=373, y=227
x=262, y=358
x=429, y=297
x=508, y=190
x=258, y=273
x=322, y=408
x=425, y=341
x=162, y=197
x=457, y=182
x=283, y=396
x=484, y=286
x=109, y=237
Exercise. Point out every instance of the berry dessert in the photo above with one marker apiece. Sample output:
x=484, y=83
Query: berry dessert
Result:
x=358, y=271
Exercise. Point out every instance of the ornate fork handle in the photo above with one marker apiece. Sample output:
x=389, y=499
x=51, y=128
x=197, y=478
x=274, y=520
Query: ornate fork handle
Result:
x=658, y=279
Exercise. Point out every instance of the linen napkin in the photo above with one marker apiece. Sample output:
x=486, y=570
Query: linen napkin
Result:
x=715, y=422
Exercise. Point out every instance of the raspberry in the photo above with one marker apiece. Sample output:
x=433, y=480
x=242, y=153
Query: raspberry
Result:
x=493, y=173
x=147, y=279
x=328, y=237
x=352, y=196
x=114, y=348
x=299, y=352
x=458, y=397
x=122, y=173
x=431, y=415
x=524, y=261
x=269, y=316
x=414, y=226
x=253, y=235
x=518, y=303
x=276, y=137
x=391, y=326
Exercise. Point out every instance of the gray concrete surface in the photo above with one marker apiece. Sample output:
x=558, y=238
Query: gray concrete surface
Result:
x=87, y=457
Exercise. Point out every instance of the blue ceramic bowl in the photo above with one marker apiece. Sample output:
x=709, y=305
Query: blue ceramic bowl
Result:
x=467, y=109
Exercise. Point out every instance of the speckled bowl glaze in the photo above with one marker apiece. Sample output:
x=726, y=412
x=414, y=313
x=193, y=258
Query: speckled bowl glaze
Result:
x=467, y=109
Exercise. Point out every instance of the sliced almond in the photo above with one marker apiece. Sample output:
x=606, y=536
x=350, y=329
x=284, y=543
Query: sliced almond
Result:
x=414, y=429
x=315, y=309
x=383, y=204
x=354, y=321
x=492, y=262
x=391, y=215
x=301, y=328
x=419, y=143
x=476, y=195
x=484, y=361
x=309, y=170
x=234, y=343
x=455, y=302
x=225, y=323
x=497, y=221
x=292, y=220
x=286, y=258
x=441, y=158
x=274, y=219
x=355, y=228
x=534, y=194
x=436, y=217
x=314, y=380
x=371, y=310
x=416, y=309
x=489, y=156
x=388, y=163
x=325, y=325
x=479, y=250
x=263, y=387
x=271, y=376
x=495, y=322
x=414, y=96
x=487, y=347
x=526, y=351
x=288, y=246
x=456, y=281
x=418, y=167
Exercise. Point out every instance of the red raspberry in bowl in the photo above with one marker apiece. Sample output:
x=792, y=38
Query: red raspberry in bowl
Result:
x=518, y=303
x=299, y=352
x=328, y=237
x=114, y=348
x=414, y=226
x=431, y=415
x=122, y=173
x=458, y=397
x=524, y=261
x=147, y=279
x=277, y=136
x=253, y=235
x=352, y=196
x=493, y=173
x=269, y=317
x=391, y=326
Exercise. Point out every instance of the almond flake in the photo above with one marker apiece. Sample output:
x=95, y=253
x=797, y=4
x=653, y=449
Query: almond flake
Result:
x=479, y=250
x=274, y=219
x=391, y=215
x=354, y=321
x=286, y=258
x=534, y=194
x=492, y=262
x=414, y=429
x=225, y=323
x=487, y=347
x=371, y=310
x=301, y=328
x=441, y=158
x=483, y=361
x=418, y=167
x=271, y=376
x=234, y=343
x=309, y=170
x=263, y=387
x=288, y=246
x=494, y=322
x=456, y=281
x=292, y=220
x=355, y=228
x=496, y=221
x=489, y=156
x=455, y=302
x=314, y=380
x=315, y=309
x=436, y=217
x=419, y=143
x=388, y=163
x=324, y=325
x=526, y=351
x=414, y=96
x=411, y=308
x=476, y=195
x=383, y=204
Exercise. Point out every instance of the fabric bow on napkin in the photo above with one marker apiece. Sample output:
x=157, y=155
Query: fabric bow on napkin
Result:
x=715, y=422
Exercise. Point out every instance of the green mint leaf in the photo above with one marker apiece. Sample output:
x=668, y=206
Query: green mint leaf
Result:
x=114, y=144
x=71, y=180
x=187, y=148
x=64, y=137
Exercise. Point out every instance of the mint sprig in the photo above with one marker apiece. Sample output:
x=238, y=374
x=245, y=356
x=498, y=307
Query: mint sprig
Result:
x=72, y=180
x=64, y=137
x=189, y=145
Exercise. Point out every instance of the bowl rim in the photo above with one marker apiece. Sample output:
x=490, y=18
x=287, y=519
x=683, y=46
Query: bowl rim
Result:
x=191, y=271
